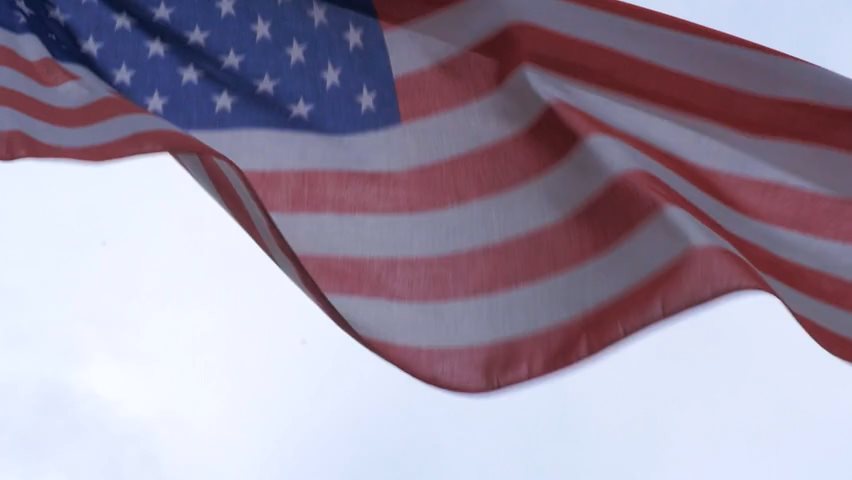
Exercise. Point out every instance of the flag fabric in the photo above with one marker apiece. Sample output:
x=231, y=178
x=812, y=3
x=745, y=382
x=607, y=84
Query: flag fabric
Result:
x=479, y=191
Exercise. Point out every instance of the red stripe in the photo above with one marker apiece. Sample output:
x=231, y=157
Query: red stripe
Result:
x=548, y=251
x=838, y=345
x=602, y=223
x=453, y=82
x=394, y=12
x=662, y=20
x=14, y=144
x=788, y=207
x=467, y=177
x=45, y=71
x=590, y=63
x=697, y=277
x=238, y=210
x=97, y=111
x=517, y=160
x=233, y=204
x=798, y=210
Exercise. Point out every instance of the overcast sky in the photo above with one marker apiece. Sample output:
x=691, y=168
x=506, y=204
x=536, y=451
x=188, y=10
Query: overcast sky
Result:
x=144, y=336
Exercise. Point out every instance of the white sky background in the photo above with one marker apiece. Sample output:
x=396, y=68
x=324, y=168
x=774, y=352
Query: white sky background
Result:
x=144, y=336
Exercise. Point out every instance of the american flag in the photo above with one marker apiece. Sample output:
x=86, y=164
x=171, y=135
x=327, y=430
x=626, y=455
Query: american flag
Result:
x=480, y=191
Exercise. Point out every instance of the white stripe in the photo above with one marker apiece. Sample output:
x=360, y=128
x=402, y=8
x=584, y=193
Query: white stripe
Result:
x=707, y=144
x=26, y=45
x=193, y=165
x=70, y=94
x=490, y=220
x=536, y=205
x=828, y=316
x=533, y=308
x=259, y=222
x=395, y=148
x=426, y=42
x=511, y=109
x=30, y=47
x=87, y=136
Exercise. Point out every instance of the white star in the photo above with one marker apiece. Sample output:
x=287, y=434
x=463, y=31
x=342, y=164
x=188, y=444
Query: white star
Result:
x=123, y=75
x=21, y=17
x=282, y=1
x=224, y=101
x=226, y=7
x=261, y=29
x=57, y=14
x=23, y=7
x=155, y=102
x=91, y=47
x=156, y=47
x=266, y=84
x=87, y=1
x=197, y=36
x=163, y=12
x=189, y=74
x=231, y=60
x=296, y=51
x=300, y=109
x=331, y=75
x=353, y=36
x=122, y=21
x=317, y=12
x=366, y=99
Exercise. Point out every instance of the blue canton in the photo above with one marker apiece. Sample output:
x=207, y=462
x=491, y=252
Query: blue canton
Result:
x=210, y=64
